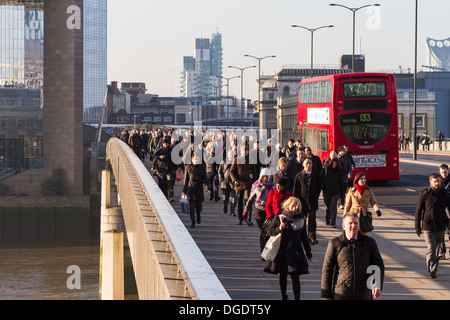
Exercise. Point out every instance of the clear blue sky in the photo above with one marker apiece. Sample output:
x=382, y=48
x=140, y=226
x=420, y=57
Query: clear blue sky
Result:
x=147, y=39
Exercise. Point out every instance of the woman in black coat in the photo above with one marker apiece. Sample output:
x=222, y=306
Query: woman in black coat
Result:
x=332, y=183
x=194, y=179
x=295, y=251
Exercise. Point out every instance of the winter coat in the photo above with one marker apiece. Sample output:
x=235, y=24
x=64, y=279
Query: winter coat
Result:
x=194, y=179
x=242, y=173
x=344, y=272
x=287, y=173
x=357, y=203
x=295, y=167
x=211, y=166
x=259, y=191
x=346, y=167
x=224, y=176
x=317, y=164
x=332, y=181
x=294, y=248
x=307, y=189
x=430, y=210
x=446, y=183
x=164, y=165
x=135, y=141
x=274, y=202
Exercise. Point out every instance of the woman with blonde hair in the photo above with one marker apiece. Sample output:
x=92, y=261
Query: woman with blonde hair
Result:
x=358, y=199
x=294, y=254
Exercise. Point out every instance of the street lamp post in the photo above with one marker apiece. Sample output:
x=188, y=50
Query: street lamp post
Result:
x=415, y=86
x=217, y=87
x=228, y=98
x=259, y=70
x=206, y=107
x=242, y=90
x=312, y=41
x=354, y=23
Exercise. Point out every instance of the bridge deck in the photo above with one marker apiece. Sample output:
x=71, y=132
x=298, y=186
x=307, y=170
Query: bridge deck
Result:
x=232, y=250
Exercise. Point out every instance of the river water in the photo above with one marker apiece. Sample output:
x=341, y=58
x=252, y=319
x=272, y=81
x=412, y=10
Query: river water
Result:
x=41, y=273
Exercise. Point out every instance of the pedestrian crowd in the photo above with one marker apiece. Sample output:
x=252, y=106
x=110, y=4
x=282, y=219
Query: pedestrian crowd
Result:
x=281, y=195
x=424, y=140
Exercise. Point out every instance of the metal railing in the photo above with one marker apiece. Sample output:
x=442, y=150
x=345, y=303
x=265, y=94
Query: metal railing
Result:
x=167, y=263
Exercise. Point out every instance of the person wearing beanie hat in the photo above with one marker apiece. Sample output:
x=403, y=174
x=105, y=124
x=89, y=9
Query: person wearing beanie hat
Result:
x=258, y=196
x=277, y=197
x=359, y=197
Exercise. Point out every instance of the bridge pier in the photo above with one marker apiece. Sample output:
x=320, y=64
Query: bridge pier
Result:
x=112, y=238
x=112, y=275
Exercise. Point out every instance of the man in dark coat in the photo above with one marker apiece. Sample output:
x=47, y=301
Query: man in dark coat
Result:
x=307, y=189
x=348, y=261
x=243, y=174
x=212, y=168
x=439, y=138
x=443, y=171
x=166, y=169
x=431, y=218
x=226, y=184
x=135, y=142
x=317, y=163
x=347, y=173
x=296, y=165
x=194, y=179
x=284, y=171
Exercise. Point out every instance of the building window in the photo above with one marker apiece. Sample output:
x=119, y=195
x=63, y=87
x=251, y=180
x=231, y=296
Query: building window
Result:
x=420, y=121
x=271, y=115
x=286, y=91
x=21, y=123
x=181, y=118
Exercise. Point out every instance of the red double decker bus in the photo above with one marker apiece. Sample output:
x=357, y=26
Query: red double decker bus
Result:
x=355, y=109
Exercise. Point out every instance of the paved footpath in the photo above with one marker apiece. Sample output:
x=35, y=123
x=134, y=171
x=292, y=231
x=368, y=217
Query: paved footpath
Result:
x=232, y=250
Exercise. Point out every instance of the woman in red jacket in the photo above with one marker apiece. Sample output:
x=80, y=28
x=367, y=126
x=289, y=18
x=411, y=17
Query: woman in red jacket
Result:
x=277, y=197
x=274, y=206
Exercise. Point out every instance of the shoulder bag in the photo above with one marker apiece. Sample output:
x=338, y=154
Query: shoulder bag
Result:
x=270, y=251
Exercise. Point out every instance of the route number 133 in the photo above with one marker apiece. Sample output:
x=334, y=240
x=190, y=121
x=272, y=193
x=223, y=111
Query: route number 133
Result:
x=365, y=117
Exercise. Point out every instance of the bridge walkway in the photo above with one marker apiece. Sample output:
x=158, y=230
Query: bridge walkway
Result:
x=232, y=250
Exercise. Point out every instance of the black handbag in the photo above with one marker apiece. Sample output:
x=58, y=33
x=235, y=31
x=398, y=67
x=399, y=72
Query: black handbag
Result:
x=365, y=222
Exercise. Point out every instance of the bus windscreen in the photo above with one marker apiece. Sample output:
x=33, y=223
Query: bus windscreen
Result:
x=366, y=128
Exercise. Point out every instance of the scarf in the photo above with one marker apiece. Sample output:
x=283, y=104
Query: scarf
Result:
x=361, y=189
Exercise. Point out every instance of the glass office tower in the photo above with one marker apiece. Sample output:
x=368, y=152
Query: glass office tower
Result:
x=95, y=54
x=21, y=84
